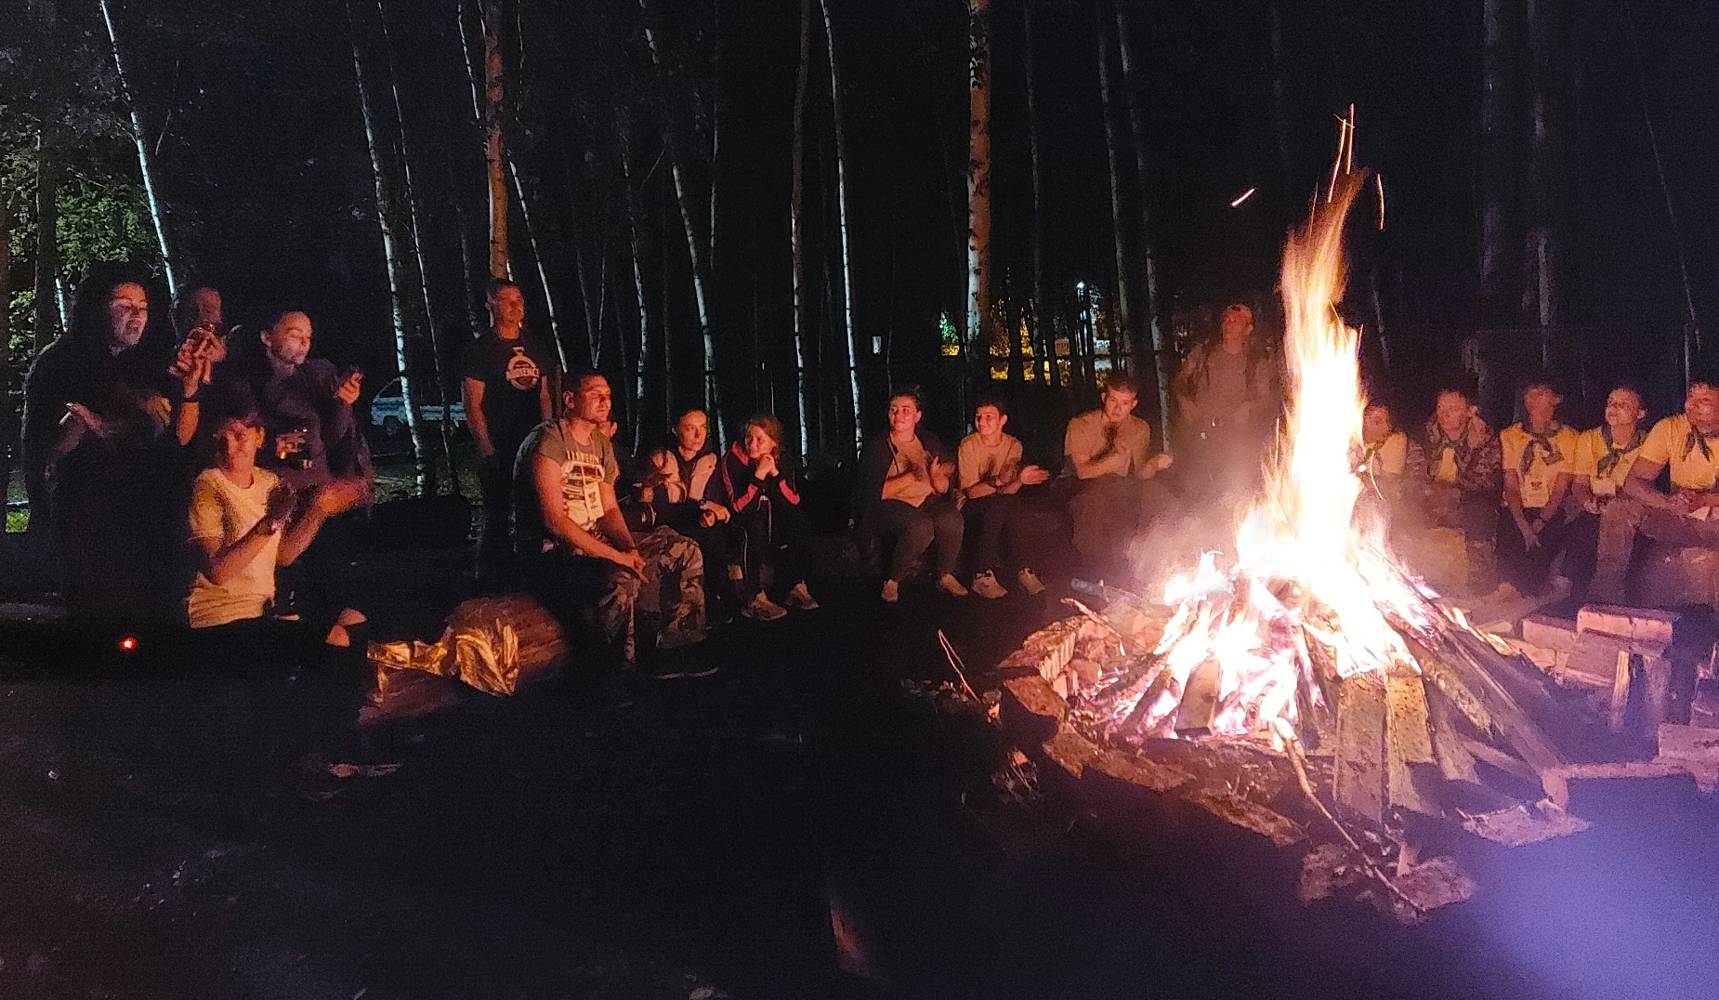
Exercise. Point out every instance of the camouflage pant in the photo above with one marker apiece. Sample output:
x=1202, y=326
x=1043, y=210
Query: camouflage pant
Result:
x=1620, y=521
x=674, y=581
x=587, y=593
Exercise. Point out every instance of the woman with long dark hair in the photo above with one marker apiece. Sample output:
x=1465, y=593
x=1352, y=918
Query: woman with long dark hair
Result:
x=759, y=488
x=104, y=471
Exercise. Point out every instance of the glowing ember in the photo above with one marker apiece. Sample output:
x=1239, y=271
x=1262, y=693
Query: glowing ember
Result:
x=1312, y=598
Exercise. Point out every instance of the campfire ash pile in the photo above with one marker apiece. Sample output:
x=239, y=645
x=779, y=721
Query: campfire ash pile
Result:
x=1305, y=687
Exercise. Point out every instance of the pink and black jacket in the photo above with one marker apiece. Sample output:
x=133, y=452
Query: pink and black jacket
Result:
x=742, y=490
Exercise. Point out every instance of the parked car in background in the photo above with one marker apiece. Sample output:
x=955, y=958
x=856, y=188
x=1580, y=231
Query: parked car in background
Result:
x=388, y=410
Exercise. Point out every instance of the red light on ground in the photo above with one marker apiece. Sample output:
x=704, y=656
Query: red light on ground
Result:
x=128, y=644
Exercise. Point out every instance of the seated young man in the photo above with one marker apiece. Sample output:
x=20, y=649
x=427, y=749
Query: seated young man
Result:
x=903, y=491
x=1605, y=456
x=578, y=554
x=1109, y=452
x=1689, y=444
x=1458, y=475
x=1539, y=458
x=1383, y=454
x=990, y=476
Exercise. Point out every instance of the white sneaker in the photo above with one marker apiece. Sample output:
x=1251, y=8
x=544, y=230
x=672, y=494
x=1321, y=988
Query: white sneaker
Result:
x=891, y=591
x=801, y=598
x=1029, y=582
x=985, y=585
x=762, y=609
x=951, y=586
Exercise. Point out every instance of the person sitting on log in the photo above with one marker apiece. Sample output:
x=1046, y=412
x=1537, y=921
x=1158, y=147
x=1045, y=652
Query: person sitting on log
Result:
x=991, y=476
x=1605, y=456
x=577, y=553
x=1539, y=459
x=1111, y=468
x=759, y=488
x=706, y=522
x=1689, y=443
x=1380, y=458
x=1459, y=476
x=902, y=491
x=697, y=463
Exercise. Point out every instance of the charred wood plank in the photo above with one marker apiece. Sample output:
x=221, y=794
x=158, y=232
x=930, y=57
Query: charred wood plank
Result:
x=1358, y=780
x=1408, y=743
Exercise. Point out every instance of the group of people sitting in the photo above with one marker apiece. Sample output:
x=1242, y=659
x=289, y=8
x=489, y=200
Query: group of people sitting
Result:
x=1541, y=504
x=252, y=448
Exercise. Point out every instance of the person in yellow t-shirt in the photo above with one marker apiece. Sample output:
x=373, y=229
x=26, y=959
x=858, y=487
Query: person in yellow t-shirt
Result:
x=1604, y=457
x=1380, y=458
x=1539, y=457
x=1689, y=444
x=990, y=475
x=1110, y=478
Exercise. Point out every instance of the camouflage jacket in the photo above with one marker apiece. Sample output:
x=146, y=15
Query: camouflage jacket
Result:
x=1479, y=468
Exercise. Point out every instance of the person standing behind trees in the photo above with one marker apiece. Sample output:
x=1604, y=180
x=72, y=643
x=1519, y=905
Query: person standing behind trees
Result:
x=506, y=389
x=1226, y=398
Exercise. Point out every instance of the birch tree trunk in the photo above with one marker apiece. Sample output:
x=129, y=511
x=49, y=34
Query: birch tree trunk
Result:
x=537, y=261
x=696, y=245
x=396, y=266
x=1494, y=159
x=145, y=158
x=635, y=224
x=8, y=419
x=797, y=223
x=1152, y=305
x=852, y=348
x=443, y=396
x=47, y=244
x=1113, y=160
x=494, y=153
x=1279, y=104
x=1539, y=293
x=979, y=293
x=1043, y=332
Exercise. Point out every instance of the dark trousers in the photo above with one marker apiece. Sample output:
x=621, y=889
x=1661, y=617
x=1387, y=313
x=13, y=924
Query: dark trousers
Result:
x=1528, y=569
x=1581, y=541
x=992, y=518
x=916, y=528
x=1475, y=515
x=1109, y=511
x=719, y=543
x=773, y=542
x=1621, y=521
x=495, y=481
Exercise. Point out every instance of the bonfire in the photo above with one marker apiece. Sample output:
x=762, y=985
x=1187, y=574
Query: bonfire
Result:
x=1311, y=645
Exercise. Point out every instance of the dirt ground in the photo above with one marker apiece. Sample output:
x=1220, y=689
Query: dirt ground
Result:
x=691, y=839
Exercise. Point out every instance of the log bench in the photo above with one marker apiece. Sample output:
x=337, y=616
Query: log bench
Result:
x=493, y=645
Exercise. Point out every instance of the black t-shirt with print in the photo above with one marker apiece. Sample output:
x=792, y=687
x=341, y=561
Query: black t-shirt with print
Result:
x=510, y=371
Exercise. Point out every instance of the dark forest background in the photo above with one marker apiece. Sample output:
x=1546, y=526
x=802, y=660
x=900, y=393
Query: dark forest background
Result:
x=1547, y=167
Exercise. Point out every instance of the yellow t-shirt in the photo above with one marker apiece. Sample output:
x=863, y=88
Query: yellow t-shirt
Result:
x=1590, y=448
x=977, y=462
x=1536, y=482
x=1391, y=456
x=1669, y=443
x=911, y=457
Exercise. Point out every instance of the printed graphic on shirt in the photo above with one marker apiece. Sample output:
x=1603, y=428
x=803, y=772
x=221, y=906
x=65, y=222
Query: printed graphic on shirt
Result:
x=582, y=478
x=521, y=372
